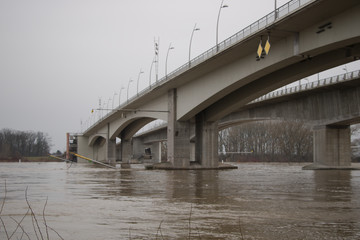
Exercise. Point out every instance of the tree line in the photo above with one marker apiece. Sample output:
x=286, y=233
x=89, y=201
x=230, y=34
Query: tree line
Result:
x=14, y=143
x=267, y=141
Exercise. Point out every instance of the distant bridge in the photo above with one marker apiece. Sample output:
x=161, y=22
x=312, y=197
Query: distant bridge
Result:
x=306, y=36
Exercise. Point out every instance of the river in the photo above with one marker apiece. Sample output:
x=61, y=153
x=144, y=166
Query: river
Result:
x=256, y=201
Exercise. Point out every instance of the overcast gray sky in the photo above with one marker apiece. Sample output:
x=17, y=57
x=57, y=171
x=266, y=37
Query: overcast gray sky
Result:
x=58, y=57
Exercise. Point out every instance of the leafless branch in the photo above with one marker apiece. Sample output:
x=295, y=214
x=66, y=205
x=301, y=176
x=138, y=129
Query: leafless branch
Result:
x=18, y=223
x=159, y=230
x=46, y=226
x=33, y=215
x=55, y=232
x=2, y=222
x=19, y=226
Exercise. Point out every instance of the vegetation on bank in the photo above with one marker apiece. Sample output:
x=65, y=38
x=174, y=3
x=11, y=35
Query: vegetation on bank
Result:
x=24, y=145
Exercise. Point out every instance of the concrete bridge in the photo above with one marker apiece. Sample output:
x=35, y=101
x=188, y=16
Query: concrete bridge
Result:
x=306, y=37
x=329, y=106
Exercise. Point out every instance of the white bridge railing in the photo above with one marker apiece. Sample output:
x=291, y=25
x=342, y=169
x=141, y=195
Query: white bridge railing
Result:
x=260, y=24
x=308, y=86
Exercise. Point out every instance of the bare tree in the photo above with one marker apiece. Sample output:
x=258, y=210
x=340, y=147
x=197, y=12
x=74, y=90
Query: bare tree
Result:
x=20, y=143
x=269, y=141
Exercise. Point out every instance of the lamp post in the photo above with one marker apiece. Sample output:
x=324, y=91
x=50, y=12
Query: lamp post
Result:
x=276, y=9
x=128, y=90
x=115, y=93
x=137, y=87
x=217, y=25
x=152, y=63
x=170, y=47
x=120, y=93
x=107, y=106
x=192, y=34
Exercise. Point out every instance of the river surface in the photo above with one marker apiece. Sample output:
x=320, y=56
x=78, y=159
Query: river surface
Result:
x=256, y=201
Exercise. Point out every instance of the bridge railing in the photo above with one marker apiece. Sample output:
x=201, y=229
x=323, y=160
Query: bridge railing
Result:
x=308, y=86
x=253, y=28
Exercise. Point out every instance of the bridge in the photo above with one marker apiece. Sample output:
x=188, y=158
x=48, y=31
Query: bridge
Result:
x=305, y=39
x=328, y=106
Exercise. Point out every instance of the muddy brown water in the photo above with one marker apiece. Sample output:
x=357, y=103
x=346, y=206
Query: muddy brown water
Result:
x=256, y=201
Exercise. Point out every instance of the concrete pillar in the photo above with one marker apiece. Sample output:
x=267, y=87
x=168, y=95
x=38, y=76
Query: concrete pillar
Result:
x=126, y=153
x=156, y=151
x=332, y=146
x=206, y=145
x=111, y=152
x=138, y=148
x=178, y=136
x=110, y=148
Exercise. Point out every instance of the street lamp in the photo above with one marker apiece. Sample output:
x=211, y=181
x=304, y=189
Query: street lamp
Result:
x=152, y=63
x=107, y=106
x=115, y=93
x=137, y=87
x=128, y=90
x=170, y=47
x=192, y=34
x=217, y=25
x=120, y=93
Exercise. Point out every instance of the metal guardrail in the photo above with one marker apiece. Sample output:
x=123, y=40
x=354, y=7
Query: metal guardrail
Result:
x=253, y=28
x=309, y=86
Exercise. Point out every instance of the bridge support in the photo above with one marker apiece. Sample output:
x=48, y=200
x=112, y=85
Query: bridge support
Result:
x=126, y=153
x=156, y=151
x=178, y=144
x=111, y=152
x=332, y=148
x=206, y=145
x=178, y=136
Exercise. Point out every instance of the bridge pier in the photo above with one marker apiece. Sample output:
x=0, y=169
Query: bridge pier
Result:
x=206, y=145
x=178, y=144
x=111, y=152
x=332, y=148
x=126, y=153
x=156, y=151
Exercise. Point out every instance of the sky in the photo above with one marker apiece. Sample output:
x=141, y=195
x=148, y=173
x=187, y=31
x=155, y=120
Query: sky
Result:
x=59, y=58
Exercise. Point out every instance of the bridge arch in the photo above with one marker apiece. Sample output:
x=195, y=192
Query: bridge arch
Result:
x=97, y=139
x=127, y=126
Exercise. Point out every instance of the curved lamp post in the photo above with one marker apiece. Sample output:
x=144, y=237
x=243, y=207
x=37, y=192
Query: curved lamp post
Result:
x=167, y=55
x=137, y=86
x=152, y=63
x=127, y=100
x=115, y=93
x=120, y=93
x=107, y=106
x=217, y=25
x=192, y=34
